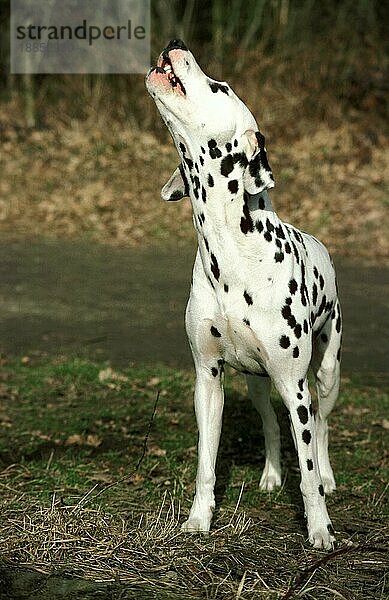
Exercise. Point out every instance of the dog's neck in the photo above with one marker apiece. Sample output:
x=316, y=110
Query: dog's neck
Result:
x=223, y=213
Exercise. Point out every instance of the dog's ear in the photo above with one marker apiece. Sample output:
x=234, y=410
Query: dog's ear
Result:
x=177, y=186
x=257, y=176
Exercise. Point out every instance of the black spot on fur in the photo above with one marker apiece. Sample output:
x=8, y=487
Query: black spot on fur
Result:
x=309, y=465
x=228, y=147
x=279, y=256
x=301, y=384
x=269, y=225
x=288, y=300
x=284, y=341
x=293, y=286
x=296, y=352
x=218, y=87
x=306, y=436
x=226, y=288
x=261, y=203
x=280, y=232
x=321, y=490
x=203, y=194
x=288, y=249
x=215, y=332
x=268, y=236
x=305, y=326
x=214, y=371
x=211, y=183
x=227, y=165
x=202, y=149
x=314, y=294
x=295, y=251
x=247, y=322
x=215, y=267
x=246, y=222
x=315, y=272
x=286, y=311
x=214, y=151
x=321, y=282
x=292, y=322
x=233, y=186
x=322, y=306
x=303, y=414
x=189, y=162
x=303, y=287
x=338, y=355
x=297, y=330
x=228, y=162
x=299, y=396
x=259, y=161
x=248, y=298
x=176, y=195
x=259, y=226
x=201, y=161
x=206, y=244
x=182, y=147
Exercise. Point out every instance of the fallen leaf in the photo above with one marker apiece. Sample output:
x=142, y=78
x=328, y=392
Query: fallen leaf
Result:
x=110, y=374
x=156, y=451
x=153, y=382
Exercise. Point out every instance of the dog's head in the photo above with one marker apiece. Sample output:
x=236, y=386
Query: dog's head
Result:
x=206, y=117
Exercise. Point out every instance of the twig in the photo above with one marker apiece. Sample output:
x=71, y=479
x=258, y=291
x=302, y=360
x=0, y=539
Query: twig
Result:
x=138, y=464
x=304, y=575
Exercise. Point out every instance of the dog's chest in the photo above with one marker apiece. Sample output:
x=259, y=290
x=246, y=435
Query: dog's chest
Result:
x=242, y=303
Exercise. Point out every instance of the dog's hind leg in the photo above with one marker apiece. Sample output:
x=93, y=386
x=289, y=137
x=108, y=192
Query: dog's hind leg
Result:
x=259, y=393
x=297, y=399
x=326, y=369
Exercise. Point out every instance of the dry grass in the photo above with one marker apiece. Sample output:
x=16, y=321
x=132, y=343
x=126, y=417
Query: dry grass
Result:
x=241, y=558
x=101, y=179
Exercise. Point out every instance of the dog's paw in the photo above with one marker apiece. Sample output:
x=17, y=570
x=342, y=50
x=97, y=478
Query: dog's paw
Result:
x=323, y=538
x=270, y=480
x=196, y=525
x=329, y=484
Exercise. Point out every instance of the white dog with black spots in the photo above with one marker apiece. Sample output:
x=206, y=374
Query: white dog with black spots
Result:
x=263, y=297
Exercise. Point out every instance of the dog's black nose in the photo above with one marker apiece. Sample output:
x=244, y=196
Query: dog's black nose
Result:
x=176, y=45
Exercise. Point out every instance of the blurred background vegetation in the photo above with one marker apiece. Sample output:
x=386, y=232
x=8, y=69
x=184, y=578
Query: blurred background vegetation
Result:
x=321, y=46
x=314, y=73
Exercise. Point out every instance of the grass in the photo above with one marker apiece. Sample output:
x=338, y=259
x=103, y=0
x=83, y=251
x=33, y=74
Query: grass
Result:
x=74, y=503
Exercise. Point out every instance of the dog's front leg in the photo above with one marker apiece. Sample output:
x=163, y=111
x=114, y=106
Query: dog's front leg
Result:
x=209, y=400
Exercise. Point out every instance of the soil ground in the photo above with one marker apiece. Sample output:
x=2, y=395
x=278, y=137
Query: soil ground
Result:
x=127, y=305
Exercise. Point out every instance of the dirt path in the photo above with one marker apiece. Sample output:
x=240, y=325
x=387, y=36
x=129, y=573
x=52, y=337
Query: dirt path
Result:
x=127, y=305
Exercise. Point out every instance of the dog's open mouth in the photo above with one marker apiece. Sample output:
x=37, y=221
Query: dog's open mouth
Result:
x=166, y=68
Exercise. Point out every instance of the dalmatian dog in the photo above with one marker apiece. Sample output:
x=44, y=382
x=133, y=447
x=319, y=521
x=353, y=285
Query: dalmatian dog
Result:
x=263, y=297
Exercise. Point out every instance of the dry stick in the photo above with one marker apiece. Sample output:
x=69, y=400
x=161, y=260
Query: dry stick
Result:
x=302, y=578
x=138, y=464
